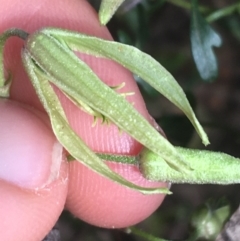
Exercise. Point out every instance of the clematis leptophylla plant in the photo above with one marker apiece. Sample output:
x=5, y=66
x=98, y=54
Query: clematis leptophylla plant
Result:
x=48, y=57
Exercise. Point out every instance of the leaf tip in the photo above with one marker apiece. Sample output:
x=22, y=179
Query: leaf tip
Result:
x=206, y=142
x=204, y=138
x=107, y=9
x=103, y=19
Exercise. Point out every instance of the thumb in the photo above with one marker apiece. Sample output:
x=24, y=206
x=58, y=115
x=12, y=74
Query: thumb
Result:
x=91, y=197
x=32, y=190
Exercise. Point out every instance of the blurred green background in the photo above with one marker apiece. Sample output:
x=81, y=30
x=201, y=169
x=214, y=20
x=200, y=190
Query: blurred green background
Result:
x=162, y=29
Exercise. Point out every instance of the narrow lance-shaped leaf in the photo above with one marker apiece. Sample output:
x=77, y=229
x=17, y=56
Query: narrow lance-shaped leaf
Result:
x=143, y=235
x=107, y=9
x=66, y=135
x=203, y=39
x=208, y=167
x=136, y=61
x=76, y=79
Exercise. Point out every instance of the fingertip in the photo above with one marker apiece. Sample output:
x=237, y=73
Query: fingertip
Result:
x=30, y=214
x=33, y=174
x=30, y=16
x=101, y=202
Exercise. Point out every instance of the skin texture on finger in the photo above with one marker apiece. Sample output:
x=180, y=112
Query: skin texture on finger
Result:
x=108, y=204
x=23, y=135
x=78, y=15
x=30, y=215
x=100, y=201
x=33, y=176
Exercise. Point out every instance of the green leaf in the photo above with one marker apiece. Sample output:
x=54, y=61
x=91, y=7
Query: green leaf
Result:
x=231, y=229
x=203, y=39
x=136, y=61
x=76, y=79
x=66, y=136
x=144, y=235
x=107, y=9
x=208, y=220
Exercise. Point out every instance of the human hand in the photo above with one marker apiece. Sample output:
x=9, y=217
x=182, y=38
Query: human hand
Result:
x=35, y=184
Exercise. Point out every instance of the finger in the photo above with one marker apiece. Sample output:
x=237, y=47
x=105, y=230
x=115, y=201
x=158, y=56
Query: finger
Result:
x=32, y=176
x=31, y=16
x=91, y=197
x=79, y=16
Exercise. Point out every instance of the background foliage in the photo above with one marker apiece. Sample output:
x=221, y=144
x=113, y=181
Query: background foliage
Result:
x=162, y=29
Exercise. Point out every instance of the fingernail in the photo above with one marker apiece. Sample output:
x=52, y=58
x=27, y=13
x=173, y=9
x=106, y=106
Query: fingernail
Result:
x=30, y=155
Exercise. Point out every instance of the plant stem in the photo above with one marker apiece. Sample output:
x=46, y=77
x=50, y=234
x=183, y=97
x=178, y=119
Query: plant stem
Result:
x=223, y=12
x=214, y=16
x=114, y=158
x=5, y=83
x=187, y=5
x=207, y=167
x=143, y=234
x=119, y=158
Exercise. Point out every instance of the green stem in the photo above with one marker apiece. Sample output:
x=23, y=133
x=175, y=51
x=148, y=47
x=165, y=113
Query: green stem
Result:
x=5, y=83
x=118, y=158
x=187, y=5
x=207, y=167
x=114, y=158
x=223, y=12
x=143, y=234
x=214, y=16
